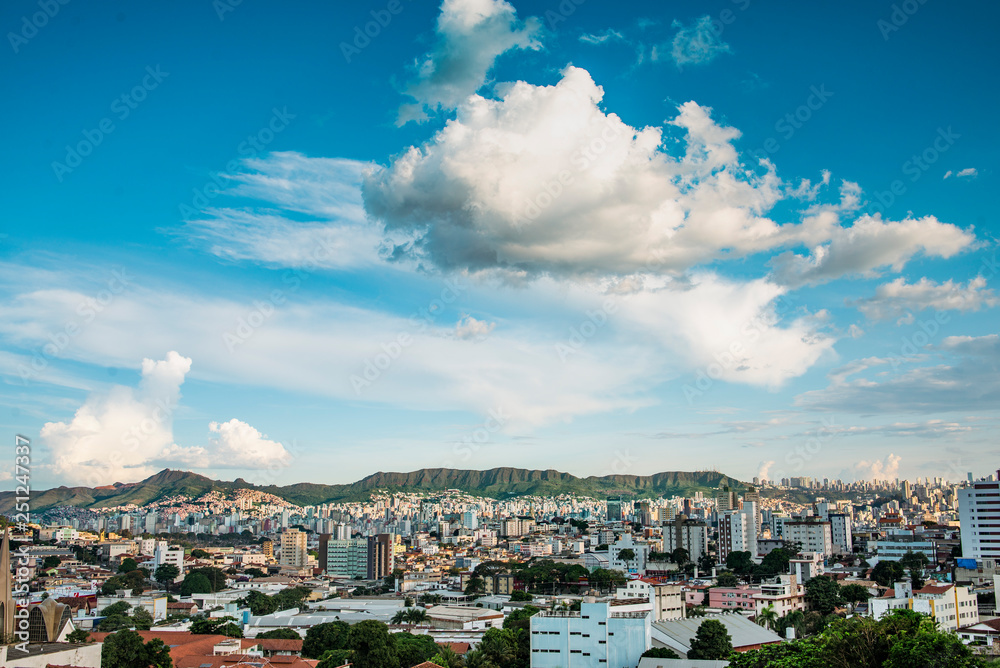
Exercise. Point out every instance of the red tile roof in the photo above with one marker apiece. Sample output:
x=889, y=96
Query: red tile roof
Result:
x=182, y=644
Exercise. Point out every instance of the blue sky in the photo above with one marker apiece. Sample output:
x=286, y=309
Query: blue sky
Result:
x=582, y=236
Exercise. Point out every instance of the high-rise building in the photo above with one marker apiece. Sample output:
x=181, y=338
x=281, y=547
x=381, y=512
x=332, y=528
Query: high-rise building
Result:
x=615, y=510
x=347, y=558
x=687, y=534
x=737, y=532
x=293, y=548
x=381, y=555
x=595, y=637
x=267, y=548
x=841, y=527
x=812, y=536
x=979, y=517
x=726, y=500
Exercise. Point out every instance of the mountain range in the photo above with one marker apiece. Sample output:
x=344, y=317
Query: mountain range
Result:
x=496, y=483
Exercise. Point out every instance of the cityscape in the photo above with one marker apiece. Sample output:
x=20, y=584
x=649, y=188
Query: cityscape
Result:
x=499, y=334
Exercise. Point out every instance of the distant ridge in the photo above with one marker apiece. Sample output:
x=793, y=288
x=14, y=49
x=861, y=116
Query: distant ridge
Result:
x=501, y=482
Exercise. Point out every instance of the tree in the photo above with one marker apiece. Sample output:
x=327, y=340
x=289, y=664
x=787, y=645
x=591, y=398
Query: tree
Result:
x=128, y=565
x=626, y=555
x=117, y=608
x=521, y=618
x=114, y=623
x=324, y=637
x=711, y=641
x=216, y=578
x=125, y=649
x=767, y=617
x=279, y=634
x=199, y=553
x=372, y=646
x=518, y=595
x=255, y=573
x=740, y=562
x=886, y=573
x=334, y=658
x=195, y=583
x=142, y=620
x=706, y=563
x=854, y=593
x=447, y=658
x=680, y=556
x=260, y=604
x=660, y=653
x=222, y=625
x=165, y=574
x=77, y=636
x=726, y=579
x=774, y=563
x=50, y=562
x=475, y=587
x=414, y=649
x=914, y=560
x=823, y=594
x=500, y=646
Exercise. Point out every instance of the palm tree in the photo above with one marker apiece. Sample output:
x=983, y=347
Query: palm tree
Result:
x=416, y=615
x=400, y=617
x=477, y=658
x=767, y=617
x=795, y=619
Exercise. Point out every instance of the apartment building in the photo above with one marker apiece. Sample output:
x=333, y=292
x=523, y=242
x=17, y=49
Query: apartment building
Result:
x=667, y=600
x=784, y=594
x=343, y=558
x=949, y=605
x=841, y=526
x=598, y=636
x=979, y=517
x=635, y=565
x=811, y=535
x=688, y=534
x=294, y=550
x=737, y=532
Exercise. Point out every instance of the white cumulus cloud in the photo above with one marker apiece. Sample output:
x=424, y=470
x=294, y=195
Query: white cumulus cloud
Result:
x=470, y=36
x=899, y=298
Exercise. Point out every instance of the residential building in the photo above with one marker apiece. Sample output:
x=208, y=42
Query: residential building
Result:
x=784, y=594
x=667, y=599
x=737, y=532
x=979, y=517
x=637, y=564
x=813, y=536
x=597, y=636
x=841, y=526
x=895, y=546
x=343, y=558
x=688, y=534
x=381, y=555
x=615, y=510
x=294, y=550
x=733, y=598
x=949, y=605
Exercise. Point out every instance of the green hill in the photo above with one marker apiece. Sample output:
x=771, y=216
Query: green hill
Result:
x=498, y=483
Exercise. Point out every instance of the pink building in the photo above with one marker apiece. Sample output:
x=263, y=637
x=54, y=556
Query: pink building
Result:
x=732, y=598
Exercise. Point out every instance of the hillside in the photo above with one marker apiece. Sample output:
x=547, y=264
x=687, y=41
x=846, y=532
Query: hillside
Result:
x=499, y=483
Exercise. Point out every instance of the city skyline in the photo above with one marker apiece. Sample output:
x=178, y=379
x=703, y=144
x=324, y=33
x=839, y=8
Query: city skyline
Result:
x=309, y=245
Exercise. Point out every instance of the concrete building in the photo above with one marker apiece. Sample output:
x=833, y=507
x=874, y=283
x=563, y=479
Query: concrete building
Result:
x=841, y=526
x=949, y=605
x=636, y=565
x=784, y=595
x=164, y=554
x=812, y=536
x=688, y=534
x=737, y=532
x=895, y=546
x=667, y=600
x=597, y=636
x=343, y=558
x=381, y=555
x=294, y=551
x=979, y=517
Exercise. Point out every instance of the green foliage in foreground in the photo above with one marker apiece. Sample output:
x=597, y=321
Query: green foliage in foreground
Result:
x=904, y=639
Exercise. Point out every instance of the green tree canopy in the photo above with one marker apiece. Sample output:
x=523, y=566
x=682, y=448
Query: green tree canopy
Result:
x=740, y=562
x=199, y=553
x=726, y=579
x=372, y=646
x=195, y=583
x=128, y=565
x=886, y=573
x=279, y=634
x=661, y=653
x=165, y=574
x=125, y=649
x=823, y=594
x=711, y=641
x=324, y=637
